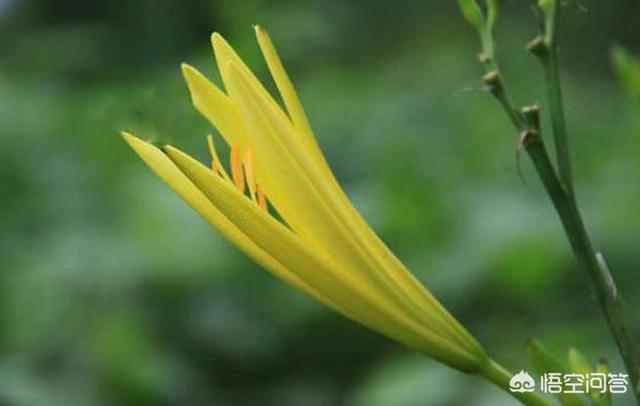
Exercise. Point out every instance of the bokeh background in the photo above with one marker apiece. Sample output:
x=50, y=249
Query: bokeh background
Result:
x=113, y=292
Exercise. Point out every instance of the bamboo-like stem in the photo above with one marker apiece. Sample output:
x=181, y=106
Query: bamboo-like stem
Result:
x=566, y=207
x=561, y=194
x=561, y=191
x=499, y=376
x=559, y=185
x=546, y=48
x=556, y=111
x=588, y=259
x=494, y=81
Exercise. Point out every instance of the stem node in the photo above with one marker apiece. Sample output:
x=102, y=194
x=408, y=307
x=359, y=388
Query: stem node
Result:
x=539, y=47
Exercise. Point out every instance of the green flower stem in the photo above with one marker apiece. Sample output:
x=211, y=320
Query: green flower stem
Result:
x=558, y=185
x=587, y=257
x=494, y=81
x=565, y=204
x=556, y=110
x=546, y=49
x=560, y=190
x=501, y=377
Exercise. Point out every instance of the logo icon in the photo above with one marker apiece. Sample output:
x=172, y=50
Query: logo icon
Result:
x=522, y=382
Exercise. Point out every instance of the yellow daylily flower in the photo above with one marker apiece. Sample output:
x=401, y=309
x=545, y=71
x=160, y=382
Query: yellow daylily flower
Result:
x=321, y=245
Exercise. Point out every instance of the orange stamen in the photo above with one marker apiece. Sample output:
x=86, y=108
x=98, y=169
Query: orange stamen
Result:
x=250, y=174
x=237, y=174
x=262, y=199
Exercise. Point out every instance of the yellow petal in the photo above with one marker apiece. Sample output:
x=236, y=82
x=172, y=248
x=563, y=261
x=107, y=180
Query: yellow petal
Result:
x=170, y=174
x=300, y=144
x=224, y=54
x=214, y=105
x=299, y=119
x=303, y=197
x=221, y=112
x=291, y=190
x=352, y=298
x=290, y=97
x=305, y=192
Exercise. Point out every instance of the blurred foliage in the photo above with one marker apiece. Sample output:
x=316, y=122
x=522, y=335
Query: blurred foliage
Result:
x=114, y=292
x=628, y=69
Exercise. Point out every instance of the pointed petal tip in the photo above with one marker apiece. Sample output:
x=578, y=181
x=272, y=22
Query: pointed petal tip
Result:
x=179, y=157
x=260, y=31
x=188, y=71
x=221, y=47
x=130, y=138
x=138, y=145
x=136, y=142
x=168, y=148
x=217, y=39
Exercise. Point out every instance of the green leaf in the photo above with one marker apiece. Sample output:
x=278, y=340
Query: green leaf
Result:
x=543, y=362
x=541, y=359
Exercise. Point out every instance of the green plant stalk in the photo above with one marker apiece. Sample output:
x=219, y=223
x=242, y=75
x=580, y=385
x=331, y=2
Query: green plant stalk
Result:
x=587, y=257
x=556, y=110
x=546, y=49
x=562, y=194
x=560, y=189
x=494, y=81
x=565, y=204
x=499, y=376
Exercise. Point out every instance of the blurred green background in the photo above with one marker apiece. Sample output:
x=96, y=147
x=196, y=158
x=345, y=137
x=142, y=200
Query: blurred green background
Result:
x=113, y=292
